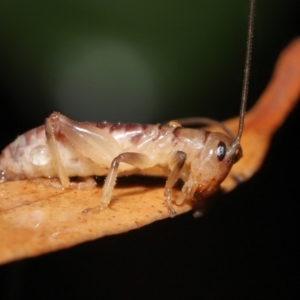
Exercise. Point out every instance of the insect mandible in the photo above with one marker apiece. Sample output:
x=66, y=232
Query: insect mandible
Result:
x=64, y=148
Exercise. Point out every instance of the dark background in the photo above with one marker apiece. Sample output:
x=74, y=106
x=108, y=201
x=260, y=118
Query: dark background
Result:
x=246, y=246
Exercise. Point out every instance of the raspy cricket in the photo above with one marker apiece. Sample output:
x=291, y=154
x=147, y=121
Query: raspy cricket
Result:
x=64, y=148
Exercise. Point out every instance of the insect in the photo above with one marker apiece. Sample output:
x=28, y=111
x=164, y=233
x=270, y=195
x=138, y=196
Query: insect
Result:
x=64, y=148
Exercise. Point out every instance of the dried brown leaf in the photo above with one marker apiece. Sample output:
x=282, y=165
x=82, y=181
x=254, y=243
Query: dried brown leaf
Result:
x=36, y=218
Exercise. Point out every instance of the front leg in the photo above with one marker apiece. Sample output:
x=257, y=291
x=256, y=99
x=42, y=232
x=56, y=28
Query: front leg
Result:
x=176, y=163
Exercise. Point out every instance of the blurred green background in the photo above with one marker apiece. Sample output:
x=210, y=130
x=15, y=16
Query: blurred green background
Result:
x=132, y=61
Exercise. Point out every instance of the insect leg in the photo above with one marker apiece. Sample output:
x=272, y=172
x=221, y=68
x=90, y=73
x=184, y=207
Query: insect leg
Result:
x=86, y=139
x=194, y=121
x=177, y=162
x=90, y=141
x=52, y=123
x=136, y=159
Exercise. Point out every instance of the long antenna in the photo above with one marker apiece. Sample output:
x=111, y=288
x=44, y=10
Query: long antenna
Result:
x=246, y=76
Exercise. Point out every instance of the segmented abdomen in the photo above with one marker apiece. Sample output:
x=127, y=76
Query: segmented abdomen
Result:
x=11, y=166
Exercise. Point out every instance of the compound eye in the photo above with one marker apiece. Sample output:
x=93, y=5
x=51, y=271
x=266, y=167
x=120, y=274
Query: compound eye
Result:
x=221, y=151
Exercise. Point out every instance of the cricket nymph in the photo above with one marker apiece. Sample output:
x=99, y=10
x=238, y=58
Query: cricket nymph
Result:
x=64, y=148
